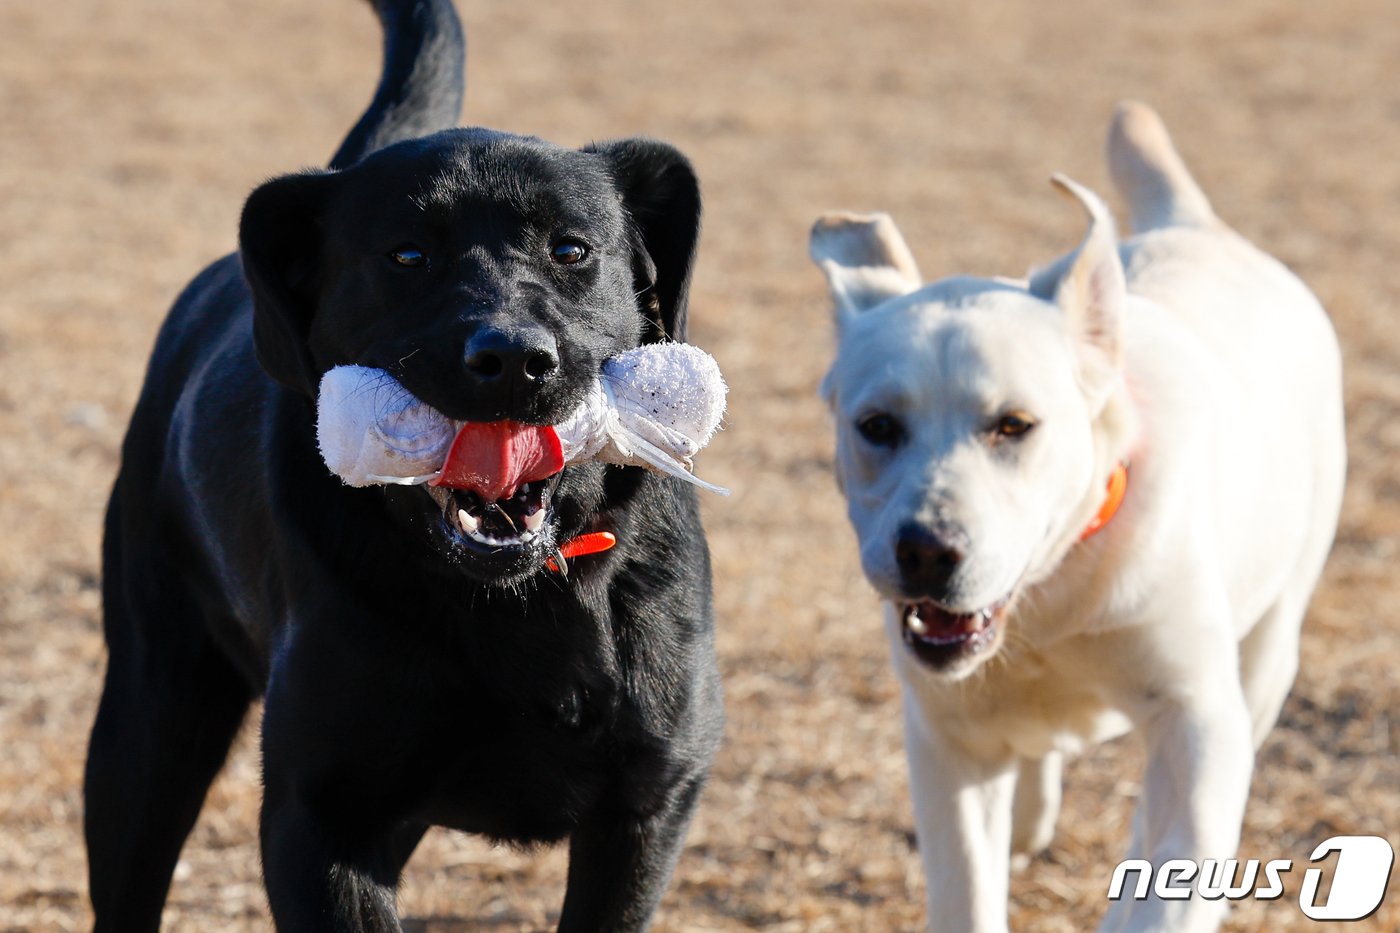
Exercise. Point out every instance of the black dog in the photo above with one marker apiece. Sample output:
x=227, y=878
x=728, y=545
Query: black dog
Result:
x=413, y=676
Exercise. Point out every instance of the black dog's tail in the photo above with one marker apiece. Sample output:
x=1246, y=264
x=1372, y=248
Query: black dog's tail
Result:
x=423, y=80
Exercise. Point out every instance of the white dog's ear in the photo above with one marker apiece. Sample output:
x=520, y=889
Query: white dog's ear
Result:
x=865, y=260
x=1093, y=291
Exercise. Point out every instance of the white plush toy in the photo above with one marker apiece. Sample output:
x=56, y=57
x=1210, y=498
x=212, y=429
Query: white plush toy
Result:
x=654, y=406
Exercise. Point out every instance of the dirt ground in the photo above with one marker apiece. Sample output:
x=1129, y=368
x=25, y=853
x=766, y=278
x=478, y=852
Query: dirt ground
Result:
x=132, y=131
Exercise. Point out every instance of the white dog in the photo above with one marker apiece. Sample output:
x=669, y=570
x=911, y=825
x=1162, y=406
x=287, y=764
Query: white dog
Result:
x=1095, y=500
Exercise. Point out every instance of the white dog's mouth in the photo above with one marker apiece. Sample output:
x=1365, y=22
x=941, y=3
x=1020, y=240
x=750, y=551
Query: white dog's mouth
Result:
x=947, y=641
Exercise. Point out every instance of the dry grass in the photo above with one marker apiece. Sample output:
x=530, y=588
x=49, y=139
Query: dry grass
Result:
x=133, y=130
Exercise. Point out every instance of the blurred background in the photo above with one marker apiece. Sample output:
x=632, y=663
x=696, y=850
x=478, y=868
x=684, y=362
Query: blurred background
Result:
x=130, y=133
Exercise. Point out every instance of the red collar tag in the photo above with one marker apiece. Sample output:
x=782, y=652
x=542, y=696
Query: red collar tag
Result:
x=595, y=542
x=1117, y=488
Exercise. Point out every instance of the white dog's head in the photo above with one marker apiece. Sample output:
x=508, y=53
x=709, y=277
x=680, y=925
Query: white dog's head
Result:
x=971, y=420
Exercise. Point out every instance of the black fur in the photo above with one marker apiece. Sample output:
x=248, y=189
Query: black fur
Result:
x=412, y=678
x=421, y=88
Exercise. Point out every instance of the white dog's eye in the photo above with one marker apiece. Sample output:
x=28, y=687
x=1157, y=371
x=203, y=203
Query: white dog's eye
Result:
x=1013, y=424
x=880, y=429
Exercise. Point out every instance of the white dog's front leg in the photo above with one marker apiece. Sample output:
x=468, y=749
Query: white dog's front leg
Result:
x=1199, y=760
x=962, y=808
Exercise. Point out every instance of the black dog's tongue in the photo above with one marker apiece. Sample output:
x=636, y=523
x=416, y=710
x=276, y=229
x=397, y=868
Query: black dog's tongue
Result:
x=495, y=458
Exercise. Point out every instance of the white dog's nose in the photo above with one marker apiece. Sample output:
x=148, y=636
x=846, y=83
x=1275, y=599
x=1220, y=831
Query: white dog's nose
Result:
x=926, y=561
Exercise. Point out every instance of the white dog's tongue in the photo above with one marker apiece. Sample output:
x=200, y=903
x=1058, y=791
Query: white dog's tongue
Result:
x=493, y=459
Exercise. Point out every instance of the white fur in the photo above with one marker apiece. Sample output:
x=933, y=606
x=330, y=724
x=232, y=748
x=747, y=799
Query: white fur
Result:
x=1216, y=374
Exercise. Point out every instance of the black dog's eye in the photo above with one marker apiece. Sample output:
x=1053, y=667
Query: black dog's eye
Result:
x=1013, y=424
x=409, y=255
x=880, y=429
x=568, y=252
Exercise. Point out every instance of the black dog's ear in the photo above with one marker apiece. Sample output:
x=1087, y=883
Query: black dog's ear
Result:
x=279, y=242
x=661, y=193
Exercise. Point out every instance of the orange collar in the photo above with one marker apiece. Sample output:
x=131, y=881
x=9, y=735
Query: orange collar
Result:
x=594, y=542
x=1117, y=488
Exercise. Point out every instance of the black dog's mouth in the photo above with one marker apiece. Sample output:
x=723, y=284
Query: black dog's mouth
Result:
x=508, y=529
x=950, y=642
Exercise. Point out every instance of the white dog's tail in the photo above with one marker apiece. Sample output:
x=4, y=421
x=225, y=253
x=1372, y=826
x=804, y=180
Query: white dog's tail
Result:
x=1150, y=174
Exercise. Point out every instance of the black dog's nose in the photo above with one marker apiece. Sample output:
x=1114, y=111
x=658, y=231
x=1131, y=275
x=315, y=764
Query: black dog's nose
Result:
x=926, y=561
x=493, y=355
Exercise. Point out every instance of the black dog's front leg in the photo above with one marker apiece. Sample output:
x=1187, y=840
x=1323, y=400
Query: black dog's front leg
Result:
x=317, y=882
x=332, y=848
x=619, y=865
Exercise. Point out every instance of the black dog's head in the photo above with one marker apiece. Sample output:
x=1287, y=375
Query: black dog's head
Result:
x=491, y=275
